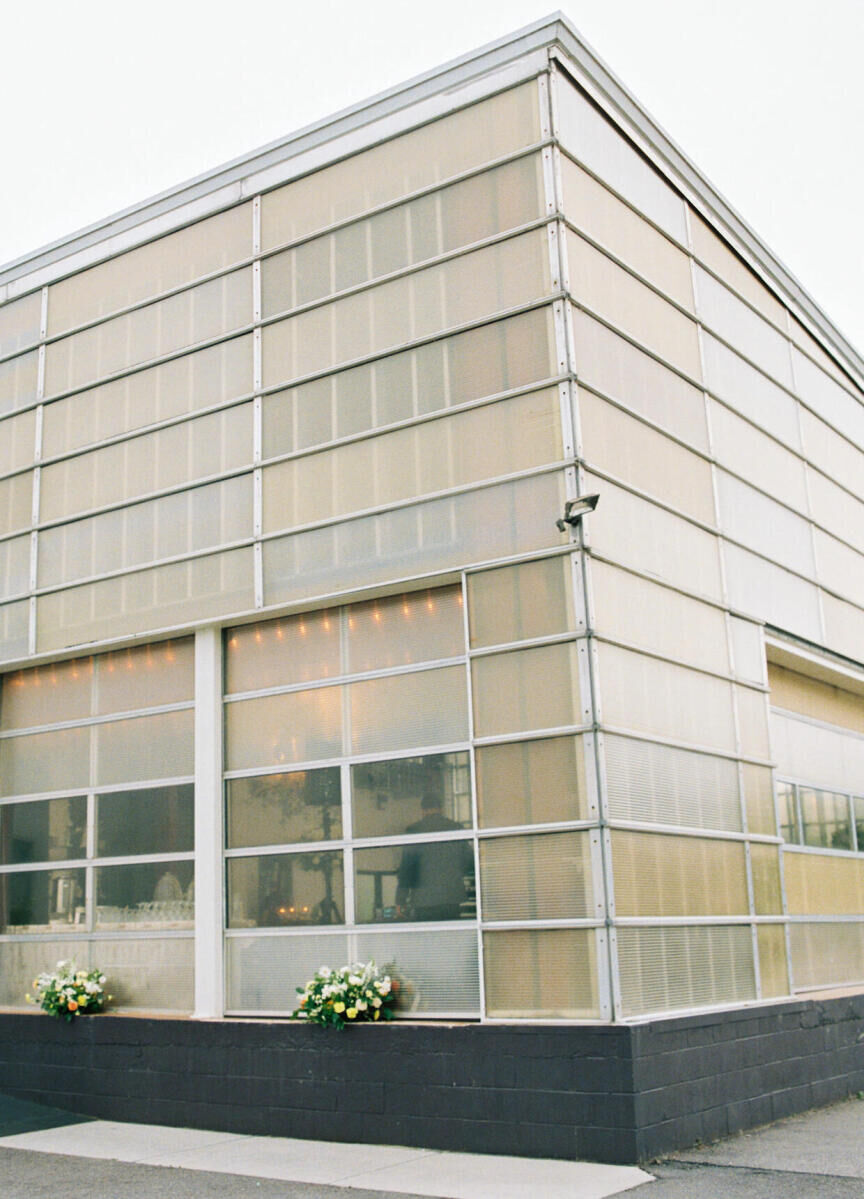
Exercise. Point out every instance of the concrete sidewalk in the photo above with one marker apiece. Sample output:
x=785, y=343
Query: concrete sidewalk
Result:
x=43, y=1152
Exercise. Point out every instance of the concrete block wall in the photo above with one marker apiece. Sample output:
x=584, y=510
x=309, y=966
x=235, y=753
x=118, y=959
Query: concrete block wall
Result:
x=618, y=1093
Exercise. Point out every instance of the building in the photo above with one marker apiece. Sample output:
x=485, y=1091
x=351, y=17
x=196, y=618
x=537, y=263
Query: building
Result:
x=293, y=616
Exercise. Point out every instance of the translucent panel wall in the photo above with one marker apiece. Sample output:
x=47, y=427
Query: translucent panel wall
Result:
x=97, y=822
x=208, y=407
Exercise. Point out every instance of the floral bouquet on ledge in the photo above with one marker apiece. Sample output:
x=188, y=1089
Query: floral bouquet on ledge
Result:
x=68, y=992
x=350, y=995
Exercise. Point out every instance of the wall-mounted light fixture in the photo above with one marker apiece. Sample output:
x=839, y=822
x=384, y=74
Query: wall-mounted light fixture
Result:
x=574, y=510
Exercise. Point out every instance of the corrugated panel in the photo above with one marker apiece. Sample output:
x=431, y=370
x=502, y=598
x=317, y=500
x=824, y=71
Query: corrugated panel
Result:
x=536, y=877
x=541, y=973
x=773, y=971
x=663, y=969
x=823, y=884
x=662, y=785
x=661, y=875
x=437, y=969
x=826, y=954
x=262, y=973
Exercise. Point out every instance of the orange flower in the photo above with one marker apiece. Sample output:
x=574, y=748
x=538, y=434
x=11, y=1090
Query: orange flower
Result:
x=72, y=1005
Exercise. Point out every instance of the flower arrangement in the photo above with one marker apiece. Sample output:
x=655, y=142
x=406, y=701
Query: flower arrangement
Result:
x=68, y=992
x=351, y=994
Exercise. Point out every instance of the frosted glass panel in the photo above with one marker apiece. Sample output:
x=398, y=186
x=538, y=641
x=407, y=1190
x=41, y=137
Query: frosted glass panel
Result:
x=759, y=799
x=262, y=973
x=17, y=439
x=844, y=627
x=497, y=357
x=831, y=453
x=639, y=534
x=614, y=294
x=292, y=649
x=767, y=893
x=753, y=722
x=748, y=516
x=437, y=970
x=169, y=457
x=629, y=608
x=273, y=809
x=723, y=262
x=456, y=216
x=301, y=726
x=837, y=510
x=432, y=536
x=170, y=262
x=47, y=694
x=527, y=689
x=748, y=654
x=757, y=457
x=144, y=676
x=839, y=567
x=16, y=502
x=467, y=447
x=823, y=884
x=741, y=327
x=595, y=141
x=531, y=782
x=206, y=311
x=557, y=969
x=404, y=164
x=537, y=877
x=826, y=954
x=286, y=890
x=818, y=754
x=661, y=785
x=773, y=966
x=769, y=593
x=14, y=629
x=516, y=603
x=657, y=875
x=619, y=370
x=651, y=696
x=183, y=523
x=605, y=219
x=147, y=747
x=151, y=974
x=183, y=385
x=183, y=592
x=828, y=399
x=18, y=377
x=401, y=629
x=464, y=289
x=664, y=969
x=15, y=566
x=401, y=711
x=753, y=394
x=19, y=322
x=38, y=762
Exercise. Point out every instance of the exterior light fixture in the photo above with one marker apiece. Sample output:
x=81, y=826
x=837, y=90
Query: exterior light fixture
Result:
x=574, y=510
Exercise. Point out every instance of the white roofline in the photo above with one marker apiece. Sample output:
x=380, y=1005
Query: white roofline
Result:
x=554, y=35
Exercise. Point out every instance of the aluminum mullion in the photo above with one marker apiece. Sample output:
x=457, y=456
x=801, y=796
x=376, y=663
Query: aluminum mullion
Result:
x=209, y=818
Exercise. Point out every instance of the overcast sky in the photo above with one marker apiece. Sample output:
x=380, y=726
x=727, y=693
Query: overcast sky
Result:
x=103, y=104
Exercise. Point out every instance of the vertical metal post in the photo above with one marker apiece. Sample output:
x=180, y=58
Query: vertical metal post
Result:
x=209, y=904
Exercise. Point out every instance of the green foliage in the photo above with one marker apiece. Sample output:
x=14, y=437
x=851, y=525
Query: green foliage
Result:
x=68, y=992
x=349, y=995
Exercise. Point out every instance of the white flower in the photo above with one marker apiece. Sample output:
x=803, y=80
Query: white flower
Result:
x=355, y=980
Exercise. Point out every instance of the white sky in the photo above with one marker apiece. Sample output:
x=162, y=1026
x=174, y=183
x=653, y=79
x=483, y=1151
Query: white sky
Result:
x=103, y=104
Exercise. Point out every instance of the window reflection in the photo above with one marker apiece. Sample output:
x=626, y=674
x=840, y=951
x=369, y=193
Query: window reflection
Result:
x=43, y=832
x=286, y=890
x=825, y=819
x=388, y=797
x=42, y=901
x=272, y=809
x=426, y=880
x=788, y=813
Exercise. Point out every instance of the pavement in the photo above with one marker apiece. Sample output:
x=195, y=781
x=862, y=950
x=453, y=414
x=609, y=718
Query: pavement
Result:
x=45, y=1153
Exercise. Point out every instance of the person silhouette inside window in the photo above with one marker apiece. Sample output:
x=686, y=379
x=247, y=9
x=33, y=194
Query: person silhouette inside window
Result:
x=431, y=879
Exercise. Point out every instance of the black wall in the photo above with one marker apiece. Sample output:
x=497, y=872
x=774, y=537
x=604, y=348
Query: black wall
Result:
x=621, y=1093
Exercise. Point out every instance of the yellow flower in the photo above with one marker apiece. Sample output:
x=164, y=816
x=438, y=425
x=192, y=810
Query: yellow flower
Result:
x=377, y=1014
x=338, y=1007
x=351, y=1013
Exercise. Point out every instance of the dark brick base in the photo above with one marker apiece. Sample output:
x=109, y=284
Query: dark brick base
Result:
x=621, y=1093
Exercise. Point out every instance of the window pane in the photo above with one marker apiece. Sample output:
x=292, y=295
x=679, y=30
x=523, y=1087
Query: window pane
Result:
x=398, y=630
x=430, y=880
x=146, y=895
x=155, y=820
x=274, y=809
x=788, y=810
x=43, y=832
x=432, y=791
x=538, y=877
x=42, y=901
x=301, y=726
x=741, y=327
x=147, y=747
x=516, y=603
x=38, y=762
x=17, y=439
x=531, y=782
x=19, y=322
x=286, y=890
x=18, y=380
x=825, y=818
x=526, y=689
x=556, y=968
x=402, y=711
x=293, y=649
